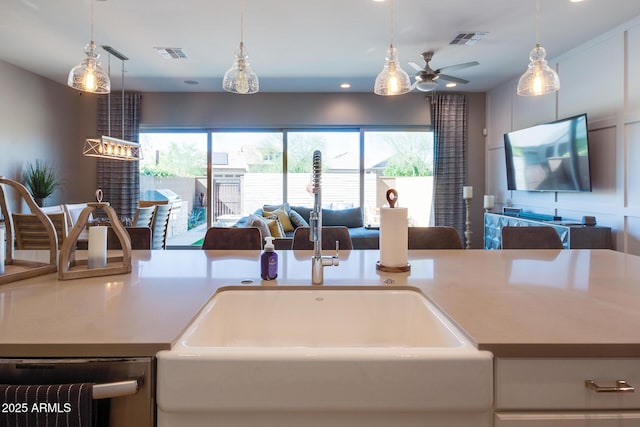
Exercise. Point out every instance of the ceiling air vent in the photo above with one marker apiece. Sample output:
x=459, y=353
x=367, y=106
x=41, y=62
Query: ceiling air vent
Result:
x=468, y=38
x=171, y=52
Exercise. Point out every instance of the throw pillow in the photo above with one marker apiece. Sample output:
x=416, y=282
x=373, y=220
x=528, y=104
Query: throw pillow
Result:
x=282, y=215
x=260, y=224
x=303, y=211
x=274, y=207
x=275, y=227
x=297, y=220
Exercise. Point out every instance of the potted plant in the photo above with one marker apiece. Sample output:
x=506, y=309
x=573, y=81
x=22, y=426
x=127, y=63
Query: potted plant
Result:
x=40, y=179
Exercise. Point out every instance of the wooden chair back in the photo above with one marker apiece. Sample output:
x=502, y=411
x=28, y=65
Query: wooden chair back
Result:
x=330, y=234
x=434, y=238
x=233, y=238
x=30, y=233
x=140, y=238
x=533, y=237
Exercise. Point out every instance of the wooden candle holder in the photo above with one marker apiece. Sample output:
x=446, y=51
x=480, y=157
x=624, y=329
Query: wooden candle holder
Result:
x=70, y=268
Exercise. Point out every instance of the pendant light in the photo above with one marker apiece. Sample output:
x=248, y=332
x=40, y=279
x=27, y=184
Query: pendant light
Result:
x=539, y=79
x=392, y=80
x=108, y=147
x=240, y=78
x=89, y=76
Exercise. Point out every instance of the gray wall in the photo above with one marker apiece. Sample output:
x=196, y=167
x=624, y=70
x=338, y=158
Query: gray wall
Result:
x=42, y=119
x=224, y=110
x=601, y=79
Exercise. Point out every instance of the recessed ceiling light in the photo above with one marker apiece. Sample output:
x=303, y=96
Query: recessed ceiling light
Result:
x=348, y=85
x=451, y=84
x=576, y=1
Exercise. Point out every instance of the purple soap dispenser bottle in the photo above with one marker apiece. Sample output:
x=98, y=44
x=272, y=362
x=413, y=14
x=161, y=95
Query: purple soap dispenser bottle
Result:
x=269, y=261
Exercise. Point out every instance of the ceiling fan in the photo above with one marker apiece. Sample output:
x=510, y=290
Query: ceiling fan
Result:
x=427, y=78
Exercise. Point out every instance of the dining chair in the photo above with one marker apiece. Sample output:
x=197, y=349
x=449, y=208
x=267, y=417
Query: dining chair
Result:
x=31, y=234
x=330, y=234
x=232, y=238
x=441, y=237
x=52, y=209
x=160, y=225
x=534, y=237
x=143, y=216
x=140, y=238
x=73, y=211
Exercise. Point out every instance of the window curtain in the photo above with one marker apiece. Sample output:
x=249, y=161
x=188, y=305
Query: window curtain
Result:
x=449, y=120
x=118, y=179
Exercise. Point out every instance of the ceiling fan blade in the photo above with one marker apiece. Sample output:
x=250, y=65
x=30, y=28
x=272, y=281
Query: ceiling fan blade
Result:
x=415, y=66
x=452, y=79
x=458, y=66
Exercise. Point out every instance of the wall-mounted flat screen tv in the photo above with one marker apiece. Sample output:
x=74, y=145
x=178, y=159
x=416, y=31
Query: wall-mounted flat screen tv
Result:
x=549, y=157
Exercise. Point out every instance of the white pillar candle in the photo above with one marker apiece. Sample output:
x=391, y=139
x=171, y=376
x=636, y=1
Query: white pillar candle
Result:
x=467, y=192
x=2, y=250
x=97, y=247
x=488, y=201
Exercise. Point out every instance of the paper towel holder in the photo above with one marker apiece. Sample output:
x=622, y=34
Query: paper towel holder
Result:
x=392, y=199
x=387, y=269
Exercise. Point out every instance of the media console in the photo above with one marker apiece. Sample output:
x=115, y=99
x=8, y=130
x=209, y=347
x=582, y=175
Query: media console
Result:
x=573, y=235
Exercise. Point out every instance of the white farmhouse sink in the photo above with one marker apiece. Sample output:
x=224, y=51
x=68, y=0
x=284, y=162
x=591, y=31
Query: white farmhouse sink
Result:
x=323, y=354
x=320, y=319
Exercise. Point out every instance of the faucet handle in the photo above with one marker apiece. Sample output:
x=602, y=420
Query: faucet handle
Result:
x=337, y=249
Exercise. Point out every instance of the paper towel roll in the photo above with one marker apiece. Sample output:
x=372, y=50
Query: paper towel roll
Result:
x=394, y=237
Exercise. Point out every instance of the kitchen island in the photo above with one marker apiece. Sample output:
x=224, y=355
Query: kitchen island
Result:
x=553, y=319
x=542, y=303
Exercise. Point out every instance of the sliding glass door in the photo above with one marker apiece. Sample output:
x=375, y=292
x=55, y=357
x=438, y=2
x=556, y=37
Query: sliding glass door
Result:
x=215, y=177
x=340, y=167
x=174, y=169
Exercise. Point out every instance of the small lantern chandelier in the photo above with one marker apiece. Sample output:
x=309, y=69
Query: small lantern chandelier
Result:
x=108, y=147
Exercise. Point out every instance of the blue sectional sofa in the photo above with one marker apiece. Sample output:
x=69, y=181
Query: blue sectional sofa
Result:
x=362, y=237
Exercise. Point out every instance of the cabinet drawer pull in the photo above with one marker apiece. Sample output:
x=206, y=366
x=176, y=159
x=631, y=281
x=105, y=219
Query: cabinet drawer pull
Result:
x=620, y=387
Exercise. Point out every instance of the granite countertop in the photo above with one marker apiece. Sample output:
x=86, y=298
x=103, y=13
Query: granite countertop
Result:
x=543, y=303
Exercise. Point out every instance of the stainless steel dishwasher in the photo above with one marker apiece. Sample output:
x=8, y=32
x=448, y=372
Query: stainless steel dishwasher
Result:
x=126, y=382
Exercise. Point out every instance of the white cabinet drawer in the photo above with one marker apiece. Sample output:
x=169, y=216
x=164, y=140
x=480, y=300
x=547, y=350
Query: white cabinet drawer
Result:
x=571, y=419
x=542, y=384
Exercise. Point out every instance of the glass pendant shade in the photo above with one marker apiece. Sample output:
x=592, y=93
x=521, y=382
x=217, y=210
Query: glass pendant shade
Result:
x=539, y=79
x=240, y=78
x=392, y=80
x=89, y=76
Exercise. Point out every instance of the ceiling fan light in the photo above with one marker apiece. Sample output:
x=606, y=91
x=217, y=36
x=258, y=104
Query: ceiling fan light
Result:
x=88, y=76
x=426, y=86
x=240, y=78
x=392, y=80
x=539, y=79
